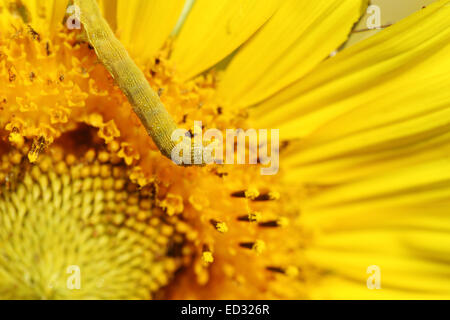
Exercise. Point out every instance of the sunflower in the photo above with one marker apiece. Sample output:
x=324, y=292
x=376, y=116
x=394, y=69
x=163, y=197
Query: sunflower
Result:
x=90, y=209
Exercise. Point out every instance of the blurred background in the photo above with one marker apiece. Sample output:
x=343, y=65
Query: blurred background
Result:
x=391, y=11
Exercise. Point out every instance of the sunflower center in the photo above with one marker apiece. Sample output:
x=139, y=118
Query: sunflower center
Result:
x=78, y=228
x=121, y=221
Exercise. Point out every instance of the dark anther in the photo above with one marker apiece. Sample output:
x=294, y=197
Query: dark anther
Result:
x=238, y=194
x=269, y=224
x=276, y=269
x=263, y=197
x=247, y=245
x=34, y=34
x=213, y=222
x=221, y=174
x=12, y=76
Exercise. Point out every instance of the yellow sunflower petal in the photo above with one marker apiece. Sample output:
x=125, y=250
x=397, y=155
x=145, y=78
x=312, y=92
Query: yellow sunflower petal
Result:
x=404, y=50
x=380, y=104
x=429, y=181
x=411, y=261
x=397, y=221
x=369, y=161
x=43, y=16
x=336, y=287
x=4, y=16
x=411, y=242
x=413, y=198
x=55, y=10
x=421, y=216
x=214, y=29
x=144, y=25
x=401, y=278
x=292, y=43
x=109, y=9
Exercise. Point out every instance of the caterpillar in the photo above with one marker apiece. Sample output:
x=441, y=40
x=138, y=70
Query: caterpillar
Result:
x=130, y=79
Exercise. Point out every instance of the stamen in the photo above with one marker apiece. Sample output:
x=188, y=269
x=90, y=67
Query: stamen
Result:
x=220, y=226
x=207, y=256
x=258, y=246
x=268, y=196
x=251, y=194
x=290, y=271
x=251, y=217
x=282, y=222
x=255, y=195
x=238, y=194
x=36, y=149
x=276, y=269
x=34, y=34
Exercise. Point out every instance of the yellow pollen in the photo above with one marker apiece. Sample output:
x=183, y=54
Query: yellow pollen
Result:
x=173, y=204
x=274, y=195
x=283, y=222
x=251, y=193
x=254, y=216
x=222, y=227
x=292, y=271
x=207, y=257
x=259, y=246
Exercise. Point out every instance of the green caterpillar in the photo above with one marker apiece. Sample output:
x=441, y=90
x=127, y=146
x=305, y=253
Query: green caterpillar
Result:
x=130, y=79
